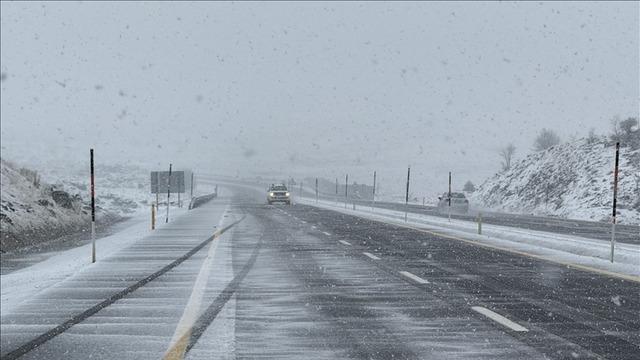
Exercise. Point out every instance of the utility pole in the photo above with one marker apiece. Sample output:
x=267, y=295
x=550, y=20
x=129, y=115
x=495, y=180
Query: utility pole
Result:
x=93, y=210
x=168, y=193
x=615, y=196
x=406, y=198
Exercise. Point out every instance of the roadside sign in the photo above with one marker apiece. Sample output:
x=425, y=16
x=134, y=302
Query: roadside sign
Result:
x=159, y=182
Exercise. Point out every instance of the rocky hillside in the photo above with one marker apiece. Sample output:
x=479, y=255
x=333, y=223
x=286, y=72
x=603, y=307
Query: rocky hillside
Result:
x=572, y=180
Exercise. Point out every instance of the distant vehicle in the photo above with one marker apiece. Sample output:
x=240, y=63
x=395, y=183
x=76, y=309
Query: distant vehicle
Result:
x=459, y=203
x=278, y=193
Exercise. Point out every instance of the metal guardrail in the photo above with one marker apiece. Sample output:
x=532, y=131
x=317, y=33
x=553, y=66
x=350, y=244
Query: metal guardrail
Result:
x=201, y=200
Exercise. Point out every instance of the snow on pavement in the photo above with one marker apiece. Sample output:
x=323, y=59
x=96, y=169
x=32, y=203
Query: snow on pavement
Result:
x=565, y=249
x=25, y=283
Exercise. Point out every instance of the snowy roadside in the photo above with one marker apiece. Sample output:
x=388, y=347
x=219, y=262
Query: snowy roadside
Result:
x=25, y=283
x=563, y=249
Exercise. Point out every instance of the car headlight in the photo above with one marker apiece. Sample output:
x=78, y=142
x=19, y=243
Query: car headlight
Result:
x=286, y=194
x=271, y=194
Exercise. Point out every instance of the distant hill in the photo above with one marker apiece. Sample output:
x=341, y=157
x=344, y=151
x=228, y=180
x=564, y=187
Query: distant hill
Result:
x=572, y=180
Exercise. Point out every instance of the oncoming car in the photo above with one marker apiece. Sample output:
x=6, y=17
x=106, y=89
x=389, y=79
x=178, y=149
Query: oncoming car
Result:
x=278, y=193
x=459, y=203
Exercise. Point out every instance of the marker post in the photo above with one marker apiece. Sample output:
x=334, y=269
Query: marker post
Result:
x=406, y=198
x=449, y=197
x=316, y=190
x=168, y=193
x=615, y=196
x=373, y=202
x=93, y=210
x=346, y=193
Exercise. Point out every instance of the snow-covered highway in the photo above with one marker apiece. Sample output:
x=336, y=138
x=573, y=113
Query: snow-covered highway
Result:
x=240, y=279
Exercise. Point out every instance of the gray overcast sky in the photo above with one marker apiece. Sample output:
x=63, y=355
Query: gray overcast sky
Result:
x=312, y=89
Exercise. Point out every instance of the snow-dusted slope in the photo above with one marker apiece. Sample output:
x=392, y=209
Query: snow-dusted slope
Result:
x=572, y=180
x=33, y=210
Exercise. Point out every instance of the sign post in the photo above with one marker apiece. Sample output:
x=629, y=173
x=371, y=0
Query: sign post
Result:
x=406, y=198
x=615, y=195
x=93, y=211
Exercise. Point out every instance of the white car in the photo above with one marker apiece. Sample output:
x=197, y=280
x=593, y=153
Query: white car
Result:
x=278, y=193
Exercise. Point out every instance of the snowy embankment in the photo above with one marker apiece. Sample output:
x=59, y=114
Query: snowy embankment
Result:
x=34, y=211
x=39, y=207
x=587, y=254
x=572, y=180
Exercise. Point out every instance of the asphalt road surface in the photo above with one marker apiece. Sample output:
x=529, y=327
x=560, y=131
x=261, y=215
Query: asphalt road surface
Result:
x=292, y=282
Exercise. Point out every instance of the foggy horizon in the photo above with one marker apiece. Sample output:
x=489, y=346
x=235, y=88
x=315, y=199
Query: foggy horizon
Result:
x=312, y=90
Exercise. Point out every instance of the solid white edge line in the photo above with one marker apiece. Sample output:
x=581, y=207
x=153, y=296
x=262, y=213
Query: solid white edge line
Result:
x=499, y=319
x=371, y=256
x=345, y=242
x=415, y=278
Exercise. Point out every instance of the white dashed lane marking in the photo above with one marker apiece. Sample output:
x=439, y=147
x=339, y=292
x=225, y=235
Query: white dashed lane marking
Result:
x=345, y=242
x=499, y=319
x=326, y=233
x=371, y=256
x=415, y=278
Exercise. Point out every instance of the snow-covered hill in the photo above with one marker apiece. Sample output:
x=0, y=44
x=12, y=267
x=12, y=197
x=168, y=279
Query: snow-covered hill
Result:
x=41, y=206
x=572, y=180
